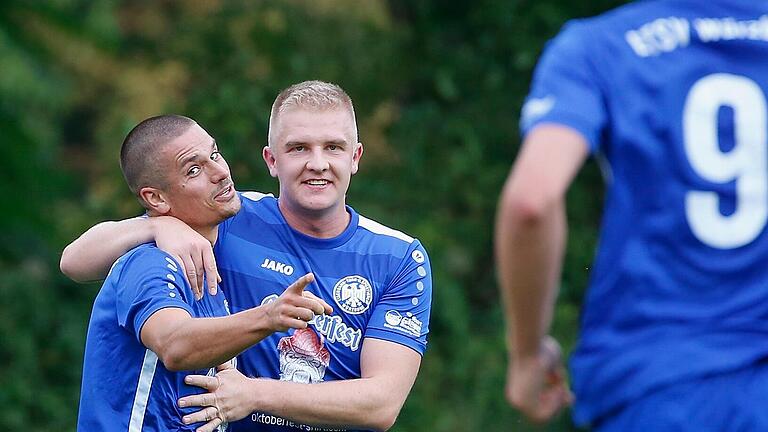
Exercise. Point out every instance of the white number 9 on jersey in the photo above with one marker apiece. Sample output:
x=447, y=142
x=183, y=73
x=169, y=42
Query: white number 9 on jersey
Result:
x=745, y=163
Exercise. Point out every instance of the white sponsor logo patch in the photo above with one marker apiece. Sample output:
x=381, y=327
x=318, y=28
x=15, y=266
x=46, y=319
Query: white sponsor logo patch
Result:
x=277, y=266
x=408, y=324
x=353, y=294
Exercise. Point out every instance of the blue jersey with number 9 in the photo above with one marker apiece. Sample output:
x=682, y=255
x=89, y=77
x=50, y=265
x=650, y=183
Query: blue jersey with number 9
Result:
x=672, y=94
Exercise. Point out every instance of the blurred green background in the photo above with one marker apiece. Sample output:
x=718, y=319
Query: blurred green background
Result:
x=437, y=85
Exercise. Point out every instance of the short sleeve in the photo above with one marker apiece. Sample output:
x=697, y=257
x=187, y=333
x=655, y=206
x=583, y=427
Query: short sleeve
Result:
x=150, y=280
x=565, y=88
x=402, y=313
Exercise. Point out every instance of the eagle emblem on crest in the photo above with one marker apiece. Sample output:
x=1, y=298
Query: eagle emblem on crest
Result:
x=353, y=294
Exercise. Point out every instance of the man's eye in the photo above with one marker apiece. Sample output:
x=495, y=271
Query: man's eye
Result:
x=193, y=171
x=298, y=148
x=333, y=147
x=215, y=155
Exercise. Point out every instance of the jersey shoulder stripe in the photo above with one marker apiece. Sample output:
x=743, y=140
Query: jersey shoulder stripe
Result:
x=255, y=196
x=378, y=228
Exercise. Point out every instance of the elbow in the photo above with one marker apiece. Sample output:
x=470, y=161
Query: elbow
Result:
x=68, y=266
x=176, y=358
x=383, y=418
x=524, y=209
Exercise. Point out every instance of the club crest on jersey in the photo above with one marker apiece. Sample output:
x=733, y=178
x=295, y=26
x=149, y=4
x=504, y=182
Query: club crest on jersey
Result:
x=353, y=294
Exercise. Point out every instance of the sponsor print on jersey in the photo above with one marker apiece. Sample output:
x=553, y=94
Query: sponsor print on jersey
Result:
x=333, y=328
x=353, y=294
x=408, y=324
x=277, y=266
x=303, y=358
x=269, y=419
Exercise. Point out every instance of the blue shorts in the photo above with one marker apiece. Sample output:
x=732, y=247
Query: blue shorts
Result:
x=735, y=401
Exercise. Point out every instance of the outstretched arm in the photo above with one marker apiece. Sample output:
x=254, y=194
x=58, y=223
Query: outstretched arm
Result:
x=388, y=371
x=184, y=343
x=530, y=243
x=90, y=256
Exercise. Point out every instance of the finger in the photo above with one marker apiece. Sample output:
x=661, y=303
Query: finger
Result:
x=298, y=286
x=310, y=302
x=207, y=382
x=224, y=366
x=204, y=415
x=301, y=313
x=321, y=307
x=210, y=426
x=211, y=272
x=197, y=258
x=183, y=268
x=191, y=274
x=294, y=323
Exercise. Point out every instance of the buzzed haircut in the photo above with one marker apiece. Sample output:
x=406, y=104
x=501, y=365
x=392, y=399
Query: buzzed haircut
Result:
x=139, y=153
x=318, y=95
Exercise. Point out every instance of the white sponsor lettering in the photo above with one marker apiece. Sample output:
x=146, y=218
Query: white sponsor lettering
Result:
x=277, y=266
x=269, y=419
x=408, y=324
x=659, y=36
x=335, y=330
x=716, y=29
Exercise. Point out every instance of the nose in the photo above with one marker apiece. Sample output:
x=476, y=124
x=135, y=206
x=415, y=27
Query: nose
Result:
x=317, y=161
x=219, y=170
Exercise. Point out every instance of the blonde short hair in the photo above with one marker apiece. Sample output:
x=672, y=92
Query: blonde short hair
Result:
x=316, y=95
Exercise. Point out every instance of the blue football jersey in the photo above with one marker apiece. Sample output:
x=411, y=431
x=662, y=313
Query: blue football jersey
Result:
x=125, y=387
x=378, y=281
x=672, y=95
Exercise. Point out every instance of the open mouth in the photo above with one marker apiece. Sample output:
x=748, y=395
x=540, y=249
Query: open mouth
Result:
x=316, y=182
x=225, y=193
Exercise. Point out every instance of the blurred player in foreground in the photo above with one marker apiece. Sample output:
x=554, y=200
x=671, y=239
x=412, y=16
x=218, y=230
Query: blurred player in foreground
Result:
x=672, y=95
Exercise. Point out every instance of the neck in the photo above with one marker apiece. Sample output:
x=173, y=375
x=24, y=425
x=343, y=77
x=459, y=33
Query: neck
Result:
x=321, y=224
x=211, y=233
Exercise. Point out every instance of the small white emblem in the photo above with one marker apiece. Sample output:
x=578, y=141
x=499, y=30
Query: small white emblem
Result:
x=418, y=256
x=353, y=294
x=269, y=299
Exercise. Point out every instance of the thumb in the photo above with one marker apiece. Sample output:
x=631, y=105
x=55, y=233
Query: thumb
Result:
x=298, y=286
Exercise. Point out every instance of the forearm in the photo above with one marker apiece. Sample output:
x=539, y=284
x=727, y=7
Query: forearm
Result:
x=530, y=252
x=359, y=403
x=91, y=255
x=198, y=343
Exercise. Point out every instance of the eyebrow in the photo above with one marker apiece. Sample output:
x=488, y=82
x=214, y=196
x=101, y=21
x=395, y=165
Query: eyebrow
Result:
x=303, y=143
x=183, y=162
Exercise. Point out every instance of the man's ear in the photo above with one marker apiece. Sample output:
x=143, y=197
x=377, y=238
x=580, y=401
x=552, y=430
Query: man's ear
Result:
x=269, y=159
x=356, y=155
x=155, y=200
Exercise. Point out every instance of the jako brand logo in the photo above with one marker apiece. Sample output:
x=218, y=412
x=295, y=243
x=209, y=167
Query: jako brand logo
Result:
x=277, y=266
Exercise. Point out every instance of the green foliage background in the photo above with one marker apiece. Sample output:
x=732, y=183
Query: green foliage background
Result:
x=437, y=85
